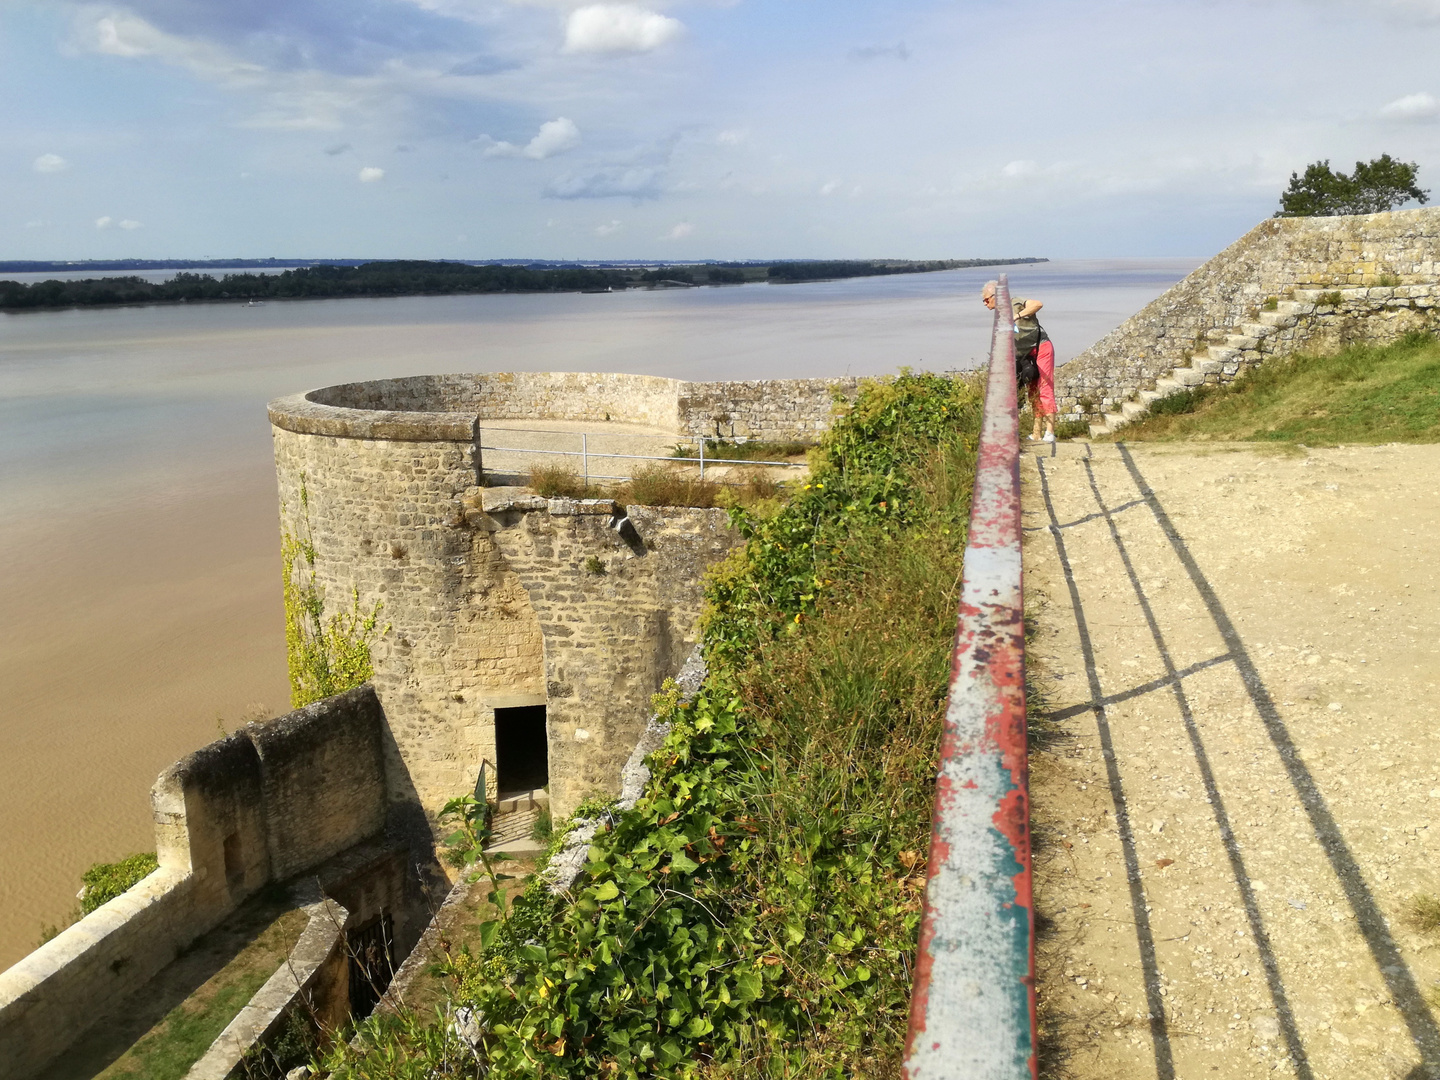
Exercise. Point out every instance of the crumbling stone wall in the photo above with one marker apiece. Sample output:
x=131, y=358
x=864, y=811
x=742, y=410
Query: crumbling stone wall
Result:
x=1369, y=252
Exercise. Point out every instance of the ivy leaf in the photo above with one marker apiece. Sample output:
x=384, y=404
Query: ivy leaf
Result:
x=607, y=891
x=683, y=863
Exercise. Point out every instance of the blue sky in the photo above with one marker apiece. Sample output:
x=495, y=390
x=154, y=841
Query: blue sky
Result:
x=690, y=128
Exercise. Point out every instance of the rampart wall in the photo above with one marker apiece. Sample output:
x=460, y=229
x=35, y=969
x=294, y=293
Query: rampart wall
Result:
x=780, y=410
x=1385, y=265
x=257, y=806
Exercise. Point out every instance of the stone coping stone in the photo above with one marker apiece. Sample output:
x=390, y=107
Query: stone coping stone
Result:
x=299, y=414
x=499, y=499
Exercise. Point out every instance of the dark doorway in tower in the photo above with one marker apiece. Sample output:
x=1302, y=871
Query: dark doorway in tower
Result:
x=522, y=761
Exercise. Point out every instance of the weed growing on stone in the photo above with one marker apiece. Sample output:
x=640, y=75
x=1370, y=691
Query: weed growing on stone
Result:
x=659, y=485
x=556, y=482
x=105, y=881
x=325, y=656
x=724, y=450
x=756, y=913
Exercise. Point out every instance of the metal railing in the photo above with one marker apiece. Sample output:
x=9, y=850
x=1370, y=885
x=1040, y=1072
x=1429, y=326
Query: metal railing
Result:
x=586, y=455
x=972, y=1010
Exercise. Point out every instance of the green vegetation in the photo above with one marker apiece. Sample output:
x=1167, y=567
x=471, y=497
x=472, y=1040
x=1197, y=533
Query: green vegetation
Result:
x=754, y=450
x=660, y=485
x=1365, y=394
x=755, y=914
x=401, y=277
x=325, y=656
x=1377, y=185
x=105, y=881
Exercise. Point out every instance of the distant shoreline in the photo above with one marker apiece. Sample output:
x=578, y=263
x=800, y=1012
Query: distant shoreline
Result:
x=336, y=279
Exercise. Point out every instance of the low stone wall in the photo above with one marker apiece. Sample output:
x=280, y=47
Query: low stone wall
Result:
x=253, y=807
x=315, y=977
x=1397, y=251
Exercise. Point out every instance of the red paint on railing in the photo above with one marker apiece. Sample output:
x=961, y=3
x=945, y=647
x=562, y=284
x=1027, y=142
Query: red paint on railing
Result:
x=972, y=1013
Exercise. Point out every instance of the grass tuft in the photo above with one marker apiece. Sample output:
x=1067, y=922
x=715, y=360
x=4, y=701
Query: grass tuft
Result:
x=660, y=485
x=556, y=482
x=1423, y=913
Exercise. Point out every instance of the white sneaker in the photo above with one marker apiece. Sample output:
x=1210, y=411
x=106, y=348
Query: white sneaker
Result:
x=1032, y=438
x=1049, y=437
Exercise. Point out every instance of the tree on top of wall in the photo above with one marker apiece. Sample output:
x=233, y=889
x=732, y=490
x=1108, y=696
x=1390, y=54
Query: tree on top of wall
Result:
x=1375, y=186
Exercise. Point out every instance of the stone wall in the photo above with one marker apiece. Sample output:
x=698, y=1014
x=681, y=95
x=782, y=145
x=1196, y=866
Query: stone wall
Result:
x=775, y=410
x=1397, y=251
x=257, y=805
x=617, y=595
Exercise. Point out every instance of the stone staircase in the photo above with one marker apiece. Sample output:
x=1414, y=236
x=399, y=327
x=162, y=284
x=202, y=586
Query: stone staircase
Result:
x=514, y=822
x=1231, y=350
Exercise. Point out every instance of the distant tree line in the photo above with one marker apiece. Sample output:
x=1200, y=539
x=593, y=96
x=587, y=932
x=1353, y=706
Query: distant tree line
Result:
x=399, y=278
x=839, y=268
x=418, y=278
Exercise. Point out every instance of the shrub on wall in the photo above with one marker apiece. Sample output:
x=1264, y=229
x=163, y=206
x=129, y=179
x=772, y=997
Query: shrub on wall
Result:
x=325, y=656
x=105, y=881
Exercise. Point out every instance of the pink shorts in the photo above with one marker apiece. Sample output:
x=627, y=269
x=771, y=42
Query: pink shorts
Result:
x=1042, y=390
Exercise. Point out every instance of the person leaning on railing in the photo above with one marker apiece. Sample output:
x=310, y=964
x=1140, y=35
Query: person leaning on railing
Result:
x=1034, y=360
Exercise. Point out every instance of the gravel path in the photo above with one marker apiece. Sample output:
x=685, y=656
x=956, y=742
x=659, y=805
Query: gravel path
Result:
x=1238, y=791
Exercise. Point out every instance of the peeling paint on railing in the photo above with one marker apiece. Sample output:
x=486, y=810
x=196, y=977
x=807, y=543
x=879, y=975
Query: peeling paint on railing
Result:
x=972, y=1014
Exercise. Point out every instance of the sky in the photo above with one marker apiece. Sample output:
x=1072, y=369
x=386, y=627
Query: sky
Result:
x=690, y=129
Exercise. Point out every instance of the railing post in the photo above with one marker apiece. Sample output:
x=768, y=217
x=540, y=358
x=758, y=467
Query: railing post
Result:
x=702, y=457
x=972, y=1011
x=585, y=459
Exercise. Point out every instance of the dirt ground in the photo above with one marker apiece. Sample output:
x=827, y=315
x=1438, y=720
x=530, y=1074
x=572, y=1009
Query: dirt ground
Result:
x=1237, y=791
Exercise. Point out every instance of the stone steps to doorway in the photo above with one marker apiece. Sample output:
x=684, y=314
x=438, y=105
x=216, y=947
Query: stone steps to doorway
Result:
x=513, y=826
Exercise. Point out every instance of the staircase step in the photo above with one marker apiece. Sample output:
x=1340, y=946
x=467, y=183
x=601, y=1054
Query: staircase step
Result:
x=1284, y=316
x=1221, y=354
x=1147, y=396
x=1211, y=366
x=1188, y=377
x=1133, y=409
x=1166, y=387
x=1241, y=342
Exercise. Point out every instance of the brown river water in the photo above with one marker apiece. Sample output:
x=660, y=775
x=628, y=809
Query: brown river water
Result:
x=139, y=559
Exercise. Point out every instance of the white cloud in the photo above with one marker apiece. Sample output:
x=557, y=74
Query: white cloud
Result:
x=554, y=137
x=370, y=174
x=1421, y=106
x=608, y=228
x=618, y=28
x=733, y=137
x=680, y=231
x=104, y=222
x=34, y=224
x=129, y=223
x=898, y=51
x=48, y=163
x=830, y=188
x=1020, y=168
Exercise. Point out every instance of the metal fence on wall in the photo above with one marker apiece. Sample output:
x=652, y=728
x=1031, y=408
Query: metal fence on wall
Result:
x=972, y=1013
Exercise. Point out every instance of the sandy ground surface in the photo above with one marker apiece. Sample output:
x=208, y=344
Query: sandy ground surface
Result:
x=1240, y=650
